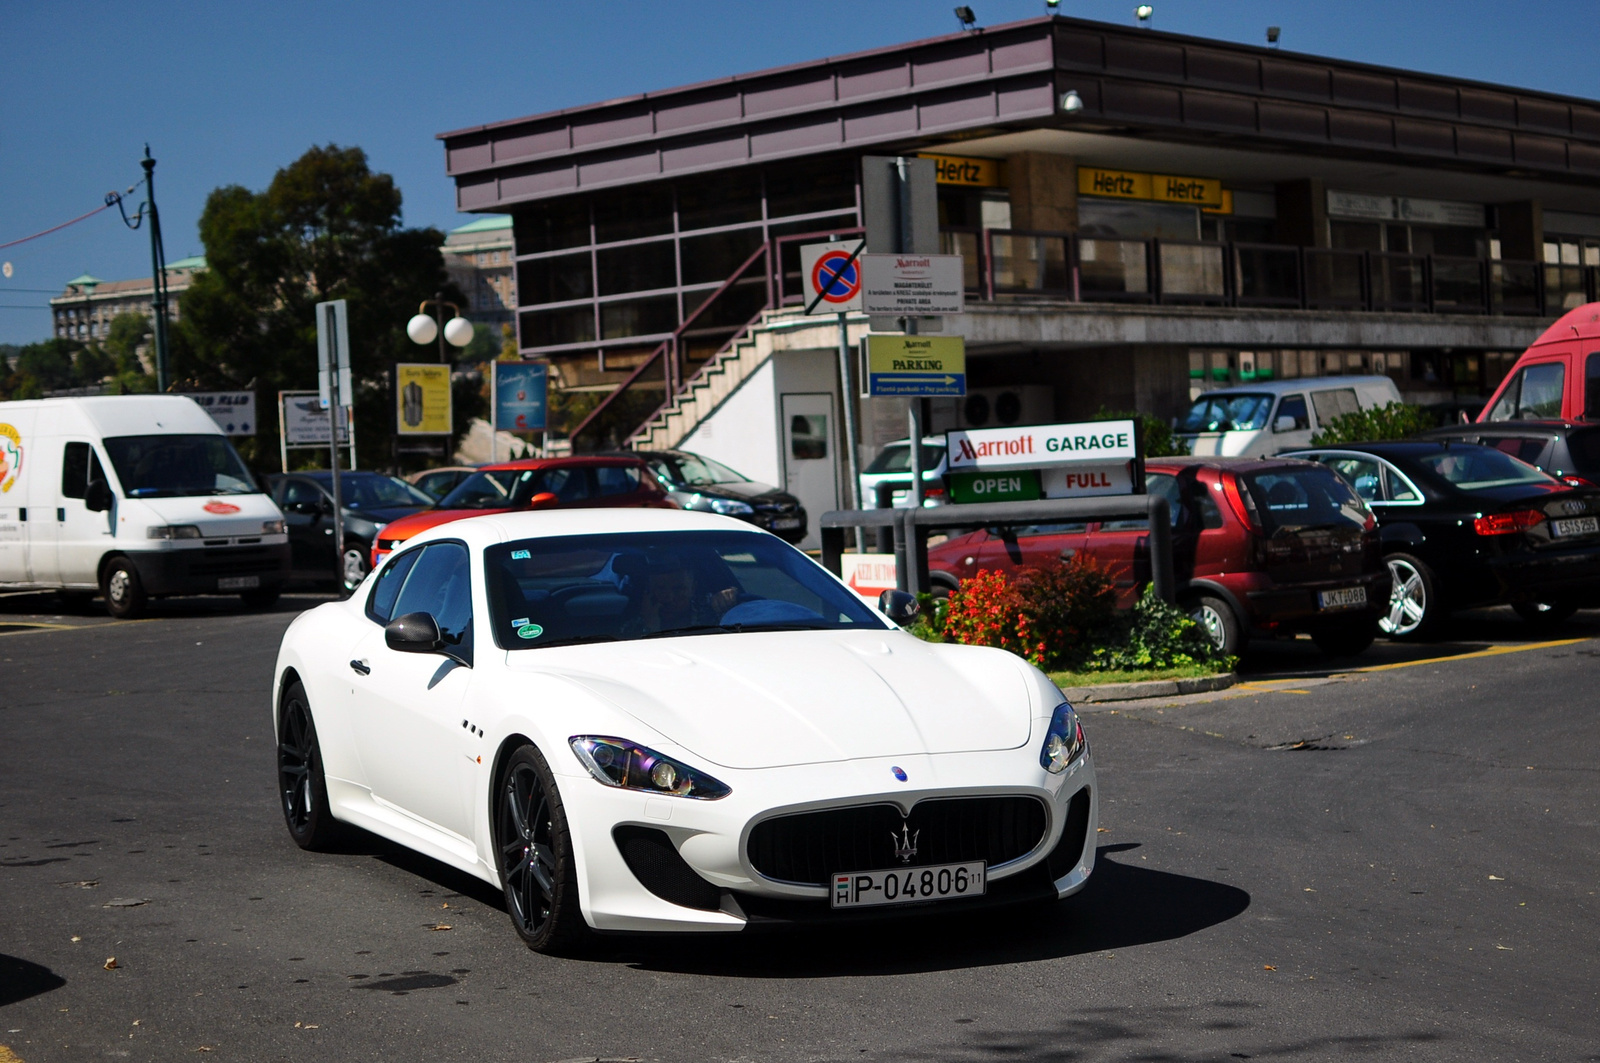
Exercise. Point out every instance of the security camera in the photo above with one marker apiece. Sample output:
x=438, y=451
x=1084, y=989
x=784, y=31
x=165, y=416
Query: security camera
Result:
x=1071, y=102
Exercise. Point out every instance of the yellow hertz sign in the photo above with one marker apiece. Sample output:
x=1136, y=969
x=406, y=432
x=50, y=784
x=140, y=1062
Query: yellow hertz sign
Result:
x=422, y=399
x=971, y=173
x=1163, y=188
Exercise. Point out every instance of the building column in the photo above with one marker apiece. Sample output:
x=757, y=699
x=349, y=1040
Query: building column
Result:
x=1044, y=192
x=1303, y=212
x=1521, y=226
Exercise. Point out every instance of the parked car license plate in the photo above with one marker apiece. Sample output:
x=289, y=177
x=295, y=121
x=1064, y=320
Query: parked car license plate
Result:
x=1577, y=526
x=785, y=523
x=238, y=583
x=1344, y=598
x=907, y=885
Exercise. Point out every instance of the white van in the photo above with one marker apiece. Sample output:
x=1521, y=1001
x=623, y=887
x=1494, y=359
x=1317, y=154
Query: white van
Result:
x=1261, y=419
x=134, y=496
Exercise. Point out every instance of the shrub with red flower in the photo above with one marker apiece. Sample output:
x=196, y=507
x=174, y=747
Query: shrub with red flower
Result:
x=1052, y=616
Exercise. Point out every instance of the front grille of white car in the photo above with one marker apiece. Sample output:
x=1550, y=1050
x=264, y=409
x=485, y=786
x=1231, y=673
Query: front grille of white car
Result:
x=807, y=847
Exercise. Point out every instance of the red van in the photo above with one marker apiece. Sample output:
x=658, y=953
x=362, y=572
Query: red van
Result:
x=1558, y=378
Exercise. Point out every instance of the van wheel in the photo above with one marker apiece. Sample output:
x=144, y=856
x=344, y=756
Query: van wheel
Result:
x=1217, y=619
x=1413, y=599
x=124, y=594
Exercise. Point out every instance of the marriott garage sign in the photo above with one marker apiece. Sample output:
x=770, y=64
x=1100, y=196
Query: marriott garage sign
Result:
x=1046, y=461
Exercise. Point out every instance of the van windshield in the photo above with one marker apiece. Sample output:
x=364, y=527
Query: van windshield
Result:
x=171, y=466
x=1227, y=413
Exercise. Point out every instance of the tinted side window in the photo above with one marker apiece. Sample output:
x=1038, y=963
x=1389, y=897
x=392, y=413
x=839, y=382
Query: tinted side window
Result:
x=1293, y=406
x=616, y=480
x=1362, y=474
x=380, y=603
x=1591, y=387
x=75, y=470
x=300, y=491
x=440, y=584
x=568, y=484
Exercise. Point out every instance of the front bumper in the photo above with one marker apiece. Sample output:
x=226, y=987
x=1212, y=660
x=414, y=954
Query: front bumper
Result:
x=711, y=838
x=197, y=570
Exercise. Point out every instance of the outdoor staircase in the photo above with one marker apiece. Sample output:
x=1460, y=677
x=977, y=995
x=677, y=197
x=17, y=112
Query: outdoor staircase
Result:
x=719, y=378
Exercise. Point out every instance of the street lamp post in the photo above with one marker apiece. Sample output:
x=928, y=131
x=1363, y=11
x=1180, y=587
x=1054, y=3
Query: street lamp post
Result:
x=158, y=268
x=423, y=329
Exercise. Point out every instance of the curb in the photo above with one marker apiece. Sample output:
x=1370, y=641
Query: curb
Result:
x=1155, y=688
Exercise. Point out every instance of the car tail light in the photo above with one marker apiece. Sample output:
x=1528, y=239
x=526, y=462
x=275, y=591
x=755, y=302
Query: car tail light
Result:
x=1243, y=506
x=933, y=492
x=1507, y=523
x=1577, y=481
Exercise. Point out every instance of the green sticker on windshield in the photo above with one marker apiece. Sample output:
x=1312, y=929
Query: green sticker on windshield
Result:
x=529, y=631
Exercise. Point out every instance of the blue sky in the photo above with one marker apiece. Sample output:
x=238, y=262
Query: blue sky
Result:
x=228, y=93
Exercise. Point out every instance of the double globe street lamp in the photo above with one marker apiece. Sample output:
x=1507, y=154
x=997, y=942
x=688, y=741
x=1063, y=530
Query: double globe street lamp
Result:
x=423, y=328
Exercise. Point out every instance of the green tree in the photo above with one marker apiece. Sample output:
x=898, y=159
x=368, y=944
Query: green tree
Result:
x=327, y=227
x=1394, y=420
x=128, y=332
x=49, y=364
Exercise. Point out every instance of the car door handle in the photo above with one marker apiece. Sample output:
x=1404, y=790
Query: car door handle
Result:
x=361, y=667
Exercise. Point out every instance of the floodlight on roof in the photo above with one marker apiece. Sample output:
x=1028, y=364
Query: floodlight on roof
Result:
x=965, y=17
x=1143, y=13
x=1272, y=35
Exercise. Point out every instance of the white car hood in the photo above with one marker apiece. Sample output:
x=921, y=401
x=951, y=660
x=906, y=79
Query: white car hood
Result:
x=761, y=700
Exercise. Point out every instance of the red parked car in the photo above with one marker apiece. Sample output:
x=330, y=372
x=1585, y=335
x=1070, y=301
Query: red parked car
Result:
x=1263, y=546
x=534, y=483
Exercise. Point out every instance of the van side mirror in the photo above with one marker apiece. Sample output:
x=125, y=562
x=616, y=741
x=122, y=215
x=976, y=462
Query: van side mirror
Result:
x=1286, y=423
x=899, y=606
x=413, y=633
x=98, y=496
x=543, y=499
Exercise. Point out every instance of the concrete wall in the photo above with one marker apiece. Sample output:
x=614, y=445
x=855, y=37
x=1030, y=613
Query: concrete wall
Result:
x=743, y=433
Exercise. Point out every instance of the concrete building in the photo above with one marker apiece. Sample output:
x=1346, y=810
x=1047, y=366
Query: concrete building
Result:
x=1143, y=215
x=478, y=258
x=85, y=309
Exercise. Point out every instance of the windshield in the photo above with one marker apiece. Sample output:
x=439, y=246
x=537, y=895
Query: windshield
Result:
x=376, y=492
x=1310, y=497
x=1227, y=413
x=176, y=465
x=641, y=585
x=896, y=457
x=1474, y=468
x=691, y=470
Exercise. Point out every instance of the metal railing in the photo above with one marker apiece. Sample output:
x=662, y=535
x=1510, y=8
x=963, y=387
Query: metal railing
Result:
x=1005, y=264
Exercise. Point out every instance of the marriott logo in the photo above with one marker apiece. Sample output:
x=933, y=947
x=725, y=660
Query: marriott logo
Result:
x=994, y=448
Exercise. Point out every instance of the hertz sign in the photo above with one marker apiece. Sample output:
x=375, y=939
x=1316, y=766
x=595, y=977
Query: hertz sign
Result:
x=1162, y=188
x=969, y=173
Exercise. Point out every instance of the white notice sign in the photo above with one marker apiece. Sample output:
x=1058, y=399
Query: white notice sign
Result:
x=234, y=411
x=305, y=421
x=868, y=575
x=913, y=285
x=1044, y=445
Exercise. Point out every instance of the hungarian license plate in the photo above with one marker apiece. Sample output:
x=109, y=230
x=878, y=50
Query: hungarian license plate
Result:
x=909, y=885
x=1344, y=598
x=1577, y=526
x=786, y=523
x=238, y=583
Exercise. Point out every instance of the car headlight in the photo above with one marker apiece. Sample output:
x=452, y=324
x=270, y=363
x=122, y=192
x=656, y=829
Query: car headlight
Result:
x=628, y=766
x=1063, y=742
x=172, y=531
x=728, y=507
x=272, y=527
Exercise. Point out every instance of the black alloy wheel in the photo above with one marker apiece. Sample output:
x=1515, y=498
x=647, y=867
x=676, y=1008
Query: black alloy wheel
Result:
x=536, y=866
x=302, y=788
x=124, y=594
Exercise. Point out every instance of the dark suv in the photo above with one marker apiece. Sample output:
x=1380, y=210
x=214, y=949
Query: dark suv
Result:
x=1265, y=546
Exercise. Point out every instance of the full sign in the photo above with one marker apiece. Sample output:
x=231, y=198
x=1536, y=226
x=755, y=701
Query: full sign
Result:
x=913, y=285
x=831, y=276
x=916, y=365
x=520, y=389
x=422, y=399
x=234, y=411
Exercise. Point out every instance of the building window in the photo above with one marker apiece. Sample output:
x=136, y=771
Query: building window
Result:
x=551, y=226
x=638, y=317
x=719, y=199
x=553, y=328
x=637, y=268
x=631, y=213
x=811, y=186
x=555, y=280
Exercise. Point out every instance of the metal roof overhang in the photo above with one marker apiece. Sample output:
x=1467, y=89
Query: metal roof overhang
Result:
x=1133, y=82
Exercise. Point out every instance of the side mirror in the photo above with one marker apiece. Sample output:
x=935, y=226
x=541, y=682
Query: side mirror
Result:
x=413, y=633
x=98, y=496
x=899, y=606
x=326, y=505
x=305, y=509
x=543, y=499
x=1285, y=423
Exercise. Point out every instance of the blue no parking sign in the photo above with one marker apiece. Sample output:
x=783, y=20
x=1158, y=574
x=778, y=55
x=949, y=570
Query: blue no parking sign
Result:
x=831, y=274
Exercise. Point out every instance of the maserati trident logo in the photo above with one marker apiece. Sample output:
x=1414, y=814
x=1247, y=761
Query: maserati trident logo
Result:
x=905, y=843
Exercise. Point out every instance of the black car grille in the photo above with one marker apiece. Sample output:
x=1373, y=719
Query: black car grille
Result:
x=776, y=507
x=809, y=846
x=239, y=561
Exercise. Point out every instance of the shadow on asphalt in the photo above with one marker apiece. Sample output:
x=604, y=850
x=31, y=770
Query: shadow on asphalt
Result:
x=52, y=608
x=21, y=979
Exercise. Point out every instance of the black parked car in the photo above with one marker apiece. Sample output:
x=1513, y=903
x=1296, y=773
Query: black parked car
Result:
x=1567, y=450
x=371, y=500
x=1465, y=525
x=695, y=482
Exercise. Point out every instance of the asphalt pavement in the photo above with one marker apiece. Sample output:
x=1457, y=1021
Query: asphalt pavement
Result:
x=1391, y=857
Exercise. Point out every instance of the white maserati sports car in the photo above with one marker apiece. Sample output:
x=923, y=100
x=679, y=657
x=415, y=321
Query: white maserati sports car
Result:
x=647, y=720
